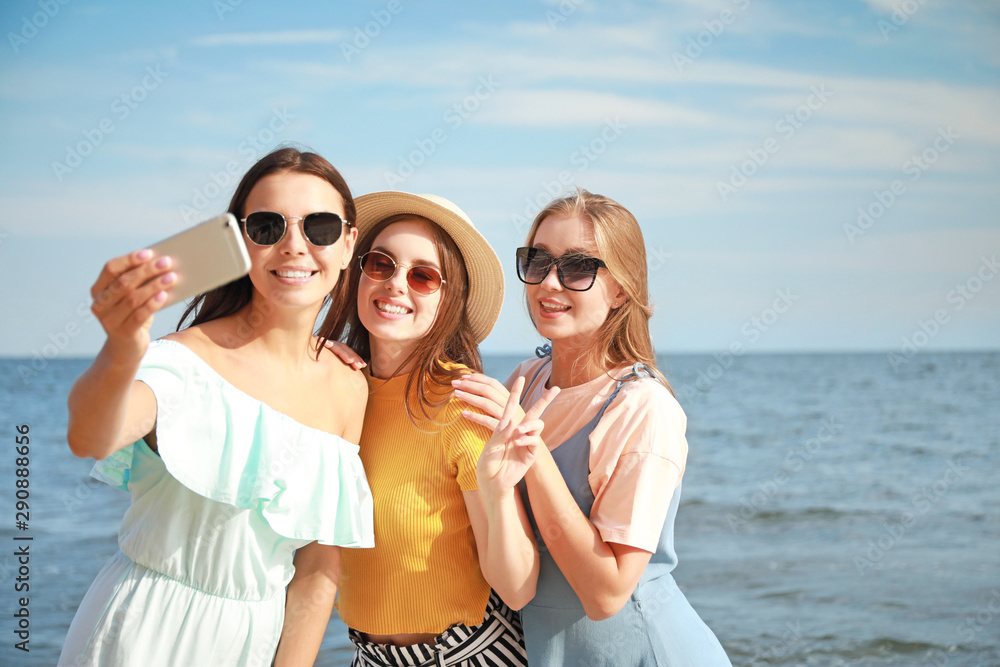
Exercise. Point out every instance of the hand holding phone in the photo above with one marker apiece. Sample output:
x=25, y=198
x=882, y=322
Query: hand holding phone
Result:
x=204, y=257
x=133, y=287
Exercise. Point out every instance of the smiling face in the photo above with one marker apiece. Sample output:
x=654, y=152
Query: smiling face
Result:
x=395, y=316
x=293, y=272
x=571, y=318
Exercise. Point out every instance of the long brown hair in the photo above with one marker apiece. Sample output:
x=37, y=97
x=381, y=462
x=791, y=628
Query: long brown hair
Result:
x=449, y=341
x=232, y=297
x=623, y=338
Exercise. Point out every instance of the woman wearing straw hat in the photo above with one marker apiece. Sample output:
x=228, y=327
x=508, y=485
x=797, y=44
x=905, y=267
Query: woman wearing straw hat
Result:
x=441, y=581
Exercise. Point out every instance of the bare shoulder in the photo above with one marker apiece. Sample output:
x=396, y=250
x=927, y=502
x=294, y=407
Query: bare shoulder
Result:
x=352, y=384
x=195, y=339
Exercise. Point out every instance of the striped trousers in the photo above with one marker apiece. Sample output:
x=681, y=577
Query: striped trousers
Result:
x=498, y=640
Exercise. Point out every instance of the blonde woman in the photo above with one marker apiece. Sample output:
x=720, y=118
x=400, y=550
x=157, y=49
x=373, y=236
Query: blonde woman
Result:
x=604, y=485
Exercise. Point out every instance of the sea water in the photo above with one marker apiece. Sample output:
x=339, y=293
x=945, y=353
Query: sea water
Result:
x=838, y=509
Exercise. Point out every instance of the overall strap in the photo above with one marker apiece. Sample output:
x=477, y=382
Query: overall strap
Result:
x=542, y=351
x=639, y=370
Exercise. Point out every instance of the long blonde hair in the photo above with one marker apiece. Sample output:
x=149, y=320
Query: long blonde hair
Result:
x=623, y=338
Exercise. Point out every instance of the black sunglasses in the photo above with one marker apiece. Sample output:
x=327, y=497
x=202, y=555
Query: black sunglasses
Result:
x=576, y=272
x=267, y=227
x=380, y=267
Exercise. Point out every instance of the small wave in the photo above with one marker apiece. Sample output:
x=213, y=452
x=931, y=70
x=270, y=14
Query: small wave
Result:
x=706, y=433
x=896, y=646
x=812, y=513
x=891, y=604
x=782, y=595
x=905, y=427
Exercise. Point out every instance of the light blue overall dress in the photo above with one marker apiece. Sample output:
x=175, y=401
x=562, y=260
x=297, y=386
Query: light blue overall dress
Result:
x=657, y=625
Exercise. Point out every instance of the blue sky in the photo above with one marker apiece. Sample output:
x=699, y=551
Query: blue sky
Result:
x=808, y=175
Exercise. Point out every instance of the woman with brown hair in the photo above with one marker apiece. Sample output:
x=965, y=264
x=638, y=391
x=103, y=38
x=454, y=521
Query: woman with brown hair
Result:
x=603, y=486
x=244, y=475
x=440, y=583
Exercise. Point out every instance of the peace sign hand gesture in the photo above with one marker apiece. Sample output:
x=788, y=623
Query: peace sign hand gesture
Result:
x=511, y=450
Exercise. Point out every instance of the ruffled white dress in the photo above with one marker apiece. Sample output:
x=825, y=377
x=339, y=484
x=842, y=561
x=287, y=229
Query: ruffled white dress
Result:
x=206, y=547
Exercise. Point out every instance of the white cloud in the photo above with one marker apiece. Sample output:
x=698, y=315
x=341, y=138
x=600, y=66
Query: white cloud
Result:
x=941, y=255
x=882, y=6
x=91, y=10
x=164, y=54
x=182, y=155
x=847, y=149
x=124, y=206
x=568, y=108
x=829, y=149
x=650, y=36
x=271, y=38
x=738, y=91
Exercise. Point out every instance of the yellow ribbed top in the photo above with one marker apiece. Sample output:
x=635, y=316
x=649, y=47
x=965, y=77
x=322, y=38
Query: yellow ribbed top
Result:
x=423, y=574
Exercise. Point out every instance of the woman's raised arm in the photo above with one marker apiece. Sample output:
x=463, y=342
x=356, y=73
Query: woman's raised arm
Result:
x=602, y=574
x=108, y=409
x=508, y=554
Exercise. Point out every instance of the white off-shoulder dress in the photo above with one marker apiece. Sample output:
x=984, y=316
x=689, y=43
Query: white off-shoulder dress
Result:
x=206, y=547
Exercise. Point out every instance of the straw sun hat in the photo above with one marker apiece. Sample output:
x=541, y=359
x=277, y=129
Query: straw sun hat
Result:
x=486, y=283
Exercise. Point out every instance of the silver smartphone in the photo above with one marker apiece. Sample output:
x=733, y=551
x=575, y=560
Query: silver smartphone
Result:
x=204, y=257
